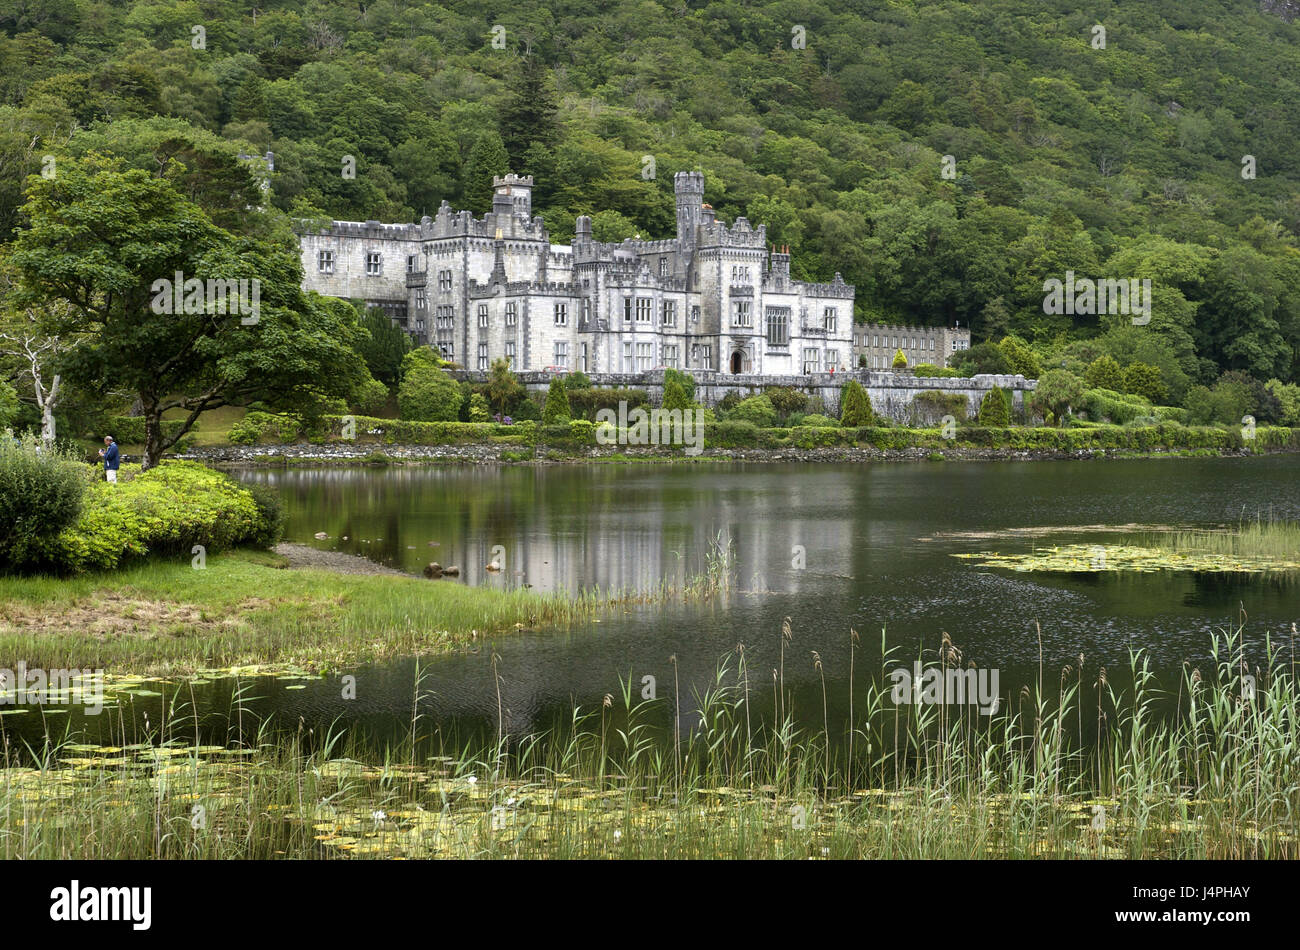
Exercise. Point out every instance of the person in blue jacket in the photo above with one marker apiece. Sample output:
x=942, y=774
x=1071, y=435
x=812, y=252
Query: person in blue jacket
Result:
x=109, y=454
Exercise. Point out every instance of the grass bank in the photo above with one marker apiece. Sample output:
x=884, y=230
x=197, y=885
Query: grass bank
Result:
x=245, y=606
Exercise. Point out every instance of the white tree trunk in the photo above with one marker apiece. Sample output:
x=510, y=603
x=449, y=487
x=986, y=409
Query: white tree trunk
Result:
x=48, y=401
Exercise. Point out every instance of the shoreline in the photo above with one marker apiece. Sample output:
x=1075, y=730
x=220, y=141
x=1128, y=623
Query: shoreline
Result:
x=375, y=454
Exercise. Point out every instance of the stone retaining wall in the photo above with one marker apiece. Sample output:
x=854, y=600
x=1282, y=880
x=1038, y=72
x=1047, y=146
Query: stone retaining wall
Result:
x=891, y=393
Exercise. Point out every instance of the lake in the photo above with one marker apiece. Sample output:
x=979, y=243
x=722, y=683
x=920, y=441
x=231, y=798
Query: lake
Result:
x=834, y=547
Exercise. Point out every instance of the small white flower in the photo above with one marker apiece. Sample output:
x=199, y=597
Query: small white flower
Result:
x=511, y=801
x=618, y=836
x=825, y=851
x=377, y=816
x=473, y=780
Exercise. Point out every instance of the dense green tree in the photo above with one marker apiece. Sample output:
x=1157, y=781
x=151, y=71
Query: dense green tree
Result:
x=384, y=347
x=427, y=393
x=109, y=242
x=1057, y=392
x=982, y=358
x=488, y=159
x=1105, y=373
x=503, y=387
x=1020, y=356
x=1143, y=379
x=528, y=114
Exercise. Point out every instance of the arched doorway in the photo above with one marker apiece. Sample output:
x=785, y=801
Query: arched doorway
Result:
x=737, y=361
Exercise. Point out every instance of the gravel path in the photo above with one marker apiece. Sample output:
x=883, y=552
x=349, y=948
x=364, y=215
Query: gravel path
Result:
x=304, y=555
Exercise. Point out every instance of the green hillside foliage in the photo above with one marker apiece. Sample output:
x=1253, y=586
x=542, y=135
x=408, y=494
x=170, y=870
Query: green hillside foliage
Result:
x=1128, y=161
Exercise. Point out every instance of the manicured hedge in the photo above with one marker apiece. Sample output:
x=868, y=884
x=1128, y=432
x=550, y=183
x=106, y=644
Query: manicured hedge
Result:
x=165, y=511
x=739, y=434
x=1105, y=405
x=585, y=403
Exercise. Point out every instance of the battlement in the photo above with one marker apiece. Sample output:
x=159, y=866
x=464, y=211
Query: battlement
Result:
x=515, y=288
x=836, y=288
x=369, y=230
x=901, y=328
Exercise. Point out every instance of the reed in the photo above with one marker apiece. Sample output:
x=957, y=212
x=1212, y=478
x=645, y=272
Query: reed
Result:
x=1263, y=538
x=1216, y=776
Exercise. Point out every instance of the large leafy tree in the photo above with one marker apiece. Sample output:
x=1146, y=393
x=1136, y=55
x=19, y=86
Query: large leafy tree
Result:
x=101, y=236
x=385, y=347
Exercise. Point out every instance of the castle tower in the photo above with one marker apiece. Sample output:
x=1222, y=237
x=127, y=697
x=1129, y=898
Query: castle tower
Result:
x=689, y=187
x=513, y=193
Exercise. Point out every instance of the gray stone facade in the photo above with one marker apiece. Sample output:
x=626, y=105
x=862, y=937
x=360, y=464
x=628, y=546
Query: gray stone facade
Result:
x=714, y=298
x=878, y=343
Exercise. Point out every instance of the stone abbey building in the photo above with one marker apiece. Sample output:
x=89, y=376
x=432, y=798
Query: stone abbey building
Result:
x=713, y=298
x=876, y=344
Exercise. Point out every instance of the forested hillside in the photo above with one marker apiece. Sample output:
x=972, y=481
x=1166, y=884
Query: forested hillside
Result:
x=1165, y=152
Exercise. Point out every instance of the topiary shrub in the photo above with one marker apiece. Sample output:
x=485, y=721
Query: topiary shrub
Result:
x=732, y=434
x=929, y=370
x=995, y=408
x=675, y=396
x=585, y=403
x=855, y=408
x=582, y=431
x=685, y=380
x=556, y=411
x=41, y=493
x=1105, y=405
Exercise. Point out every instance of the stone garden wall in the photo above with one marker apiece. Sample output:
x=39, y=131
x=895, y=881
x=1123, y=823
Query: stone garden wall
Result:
x=892, y=394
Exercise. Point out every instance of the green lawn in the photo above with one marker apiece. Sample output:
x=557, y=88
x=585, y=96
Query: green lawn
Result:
x=247, y=607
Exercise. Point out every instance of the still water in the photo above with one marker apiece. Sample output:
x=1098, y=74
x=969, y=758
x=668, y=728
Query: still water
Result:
x=833, y=547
